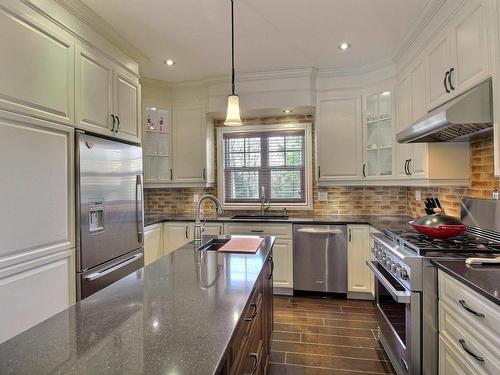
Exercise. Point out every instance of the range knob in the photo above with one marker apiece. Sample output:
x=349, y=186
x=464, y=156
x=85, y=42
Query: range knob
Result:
x=399, y=272
x=393, y=267
x=404, y=274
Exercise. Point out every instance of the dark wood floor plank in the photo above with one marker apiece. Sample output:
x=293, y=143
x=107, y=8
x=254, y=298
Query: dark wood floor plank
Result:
x=338, y=331
x=340, y=340
x=340, y=363
x=324, y=314
x=286, y=336
x=287, y=369
x=350, y=324
x=277, y=357
x=299, y=320
x=330, y=302
x=328, y=350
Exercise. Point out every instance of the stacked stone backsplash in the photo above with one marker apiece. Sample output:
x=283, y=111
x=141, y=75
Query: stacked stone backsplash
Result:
x=340, y=200
x=482, y=183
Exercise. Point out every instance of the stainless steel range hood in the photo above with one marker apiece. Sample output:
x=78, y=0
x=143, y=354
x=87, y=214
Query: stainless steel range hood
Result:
x=468, y=116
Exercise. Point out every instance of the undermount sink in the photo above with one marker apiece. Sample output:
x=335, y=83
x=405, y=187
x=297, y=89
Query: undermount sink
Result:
x=259, y=217
x=214, y=244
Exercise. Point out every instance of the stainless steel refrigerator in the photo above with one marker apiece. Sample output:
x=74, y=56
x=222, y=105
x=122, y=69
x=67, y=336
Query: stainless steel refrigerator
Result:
x=109, y=205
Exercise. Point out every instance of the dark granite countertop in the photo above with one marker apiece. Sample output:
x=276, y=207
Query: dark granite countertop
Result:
x=484, y=279
x=380, y=222
x=174, y=316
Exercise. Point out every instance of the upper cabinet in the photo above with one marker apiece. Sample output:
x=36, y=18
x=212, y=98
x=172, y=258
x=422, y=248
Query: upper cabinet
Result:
x=107, y=97
x=339, y=139
x=36, y=68
x=458, y=57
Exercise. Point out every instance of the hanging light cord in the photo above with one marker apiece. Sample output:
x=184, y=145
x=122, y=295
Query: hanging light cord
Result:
x=232, y=46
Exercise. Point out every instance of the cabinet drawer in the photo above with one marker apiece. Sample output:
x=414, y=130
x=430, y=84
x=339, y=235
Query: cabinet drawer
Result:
x=473, y=348
x=465, y=302
x=450, y=362
x=279, y=230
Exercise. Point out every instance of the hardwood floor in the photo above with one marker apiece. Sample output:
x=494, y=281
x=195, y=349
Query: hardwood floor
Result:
x=325, y=336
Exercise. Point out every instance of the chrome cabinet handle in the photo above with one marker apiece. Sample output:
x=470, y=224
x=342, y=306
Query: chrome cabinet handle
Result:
x=253, y=314
x=445, y=82
x=114, y=121
x=470, y=352
x=464, y=305
x=98, y=275
x=271, y=262
x=255, y=356
x=452, y=88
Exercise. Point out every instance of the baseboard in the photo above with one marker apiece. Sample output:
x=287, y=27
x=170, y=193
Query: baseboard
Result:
x=360, y=295
x=283, y=291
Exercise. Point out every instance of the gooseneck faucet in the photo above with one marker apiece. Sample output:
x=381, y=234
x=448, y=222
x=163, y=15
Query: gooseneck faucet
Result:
x=264, y=206
x=198, y=226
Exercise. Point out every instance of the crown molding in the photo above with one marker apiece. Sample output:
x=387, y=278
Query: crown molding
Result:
x=276, y=74
x=431, y=9
x=354, y=70
x=86, y=15
x=157, y=83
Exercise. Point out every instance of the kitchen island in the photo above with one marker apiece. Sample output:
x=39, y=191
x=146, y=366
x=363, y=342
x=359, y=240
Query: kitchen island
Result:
x=188, y=313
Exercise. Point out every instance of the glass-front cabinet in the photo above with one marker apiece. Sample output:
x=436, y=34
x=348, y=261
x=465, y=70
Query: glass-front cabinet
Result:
x=378, y=135
x=157, y=145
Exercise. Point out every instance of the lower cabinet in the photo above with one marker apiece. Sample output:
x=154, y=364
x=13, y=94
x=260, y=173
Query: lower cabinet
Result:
x=214, y=229
x=248, y=351
x=153, y=243
x=359, y=277
x=175, y=235
x=283, y=272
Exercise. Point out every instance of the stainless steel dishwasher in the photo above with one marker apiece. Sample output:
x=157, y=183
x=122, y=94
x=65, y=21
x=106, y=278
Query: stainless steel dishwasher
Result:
x=320, y=258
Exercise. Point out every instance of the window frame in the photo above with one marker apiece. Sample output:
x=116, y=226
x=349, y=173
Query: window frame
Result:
x=259, y=129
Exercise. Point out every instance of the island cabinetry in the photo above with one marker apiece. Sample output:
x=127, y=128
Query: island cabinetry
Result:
x=251, y=343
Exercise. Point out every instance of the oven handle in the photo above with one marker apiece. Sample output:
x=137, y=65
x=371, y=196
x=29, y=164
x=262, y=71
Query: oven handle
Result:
x=399, y=297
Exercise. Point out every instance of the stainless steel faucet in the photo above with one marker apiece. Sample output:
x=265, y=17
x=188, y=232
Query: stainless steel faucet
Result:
x=264, y=206
x=198, y=226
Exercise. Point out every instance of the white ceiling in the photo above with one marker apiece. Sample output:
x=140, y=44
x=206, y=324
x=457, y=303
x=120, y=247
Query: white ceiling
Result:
x=270, y=34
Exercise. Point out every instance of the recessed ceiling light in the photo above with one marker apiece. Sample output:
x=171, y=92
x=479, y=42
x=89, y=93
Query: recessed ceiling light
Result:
x=169, y=62
x=287, y=111
x=386, y=93
x=344, y=45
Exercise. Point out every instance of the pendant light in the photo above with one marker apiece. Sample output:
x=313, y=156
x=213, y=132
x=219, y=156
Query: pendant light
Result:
x=233, y=101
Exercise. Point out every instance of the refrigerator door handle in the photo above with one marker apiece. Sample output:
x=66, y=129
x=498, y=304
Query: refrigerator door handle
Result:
x=138, y=205
x=97, y=275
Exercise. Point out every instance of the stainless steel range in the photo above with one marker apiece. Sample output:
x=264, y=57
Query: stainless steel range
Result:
x=406, y=283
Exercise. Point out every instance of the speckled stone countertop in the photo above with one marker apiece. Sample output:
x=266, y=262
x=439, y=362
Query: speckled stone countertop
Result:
x=484, y=279
x=174, y=316
x=380, y=222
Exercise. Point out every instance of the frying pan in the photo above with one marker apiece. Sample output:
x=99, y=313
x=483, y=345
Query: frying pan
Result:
x=439, y=225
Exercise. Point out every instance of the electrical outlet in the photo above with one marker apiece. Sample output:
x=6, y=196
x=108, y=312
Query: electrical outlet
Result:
x=196, y=197
x=418, y=195
x=322, y=196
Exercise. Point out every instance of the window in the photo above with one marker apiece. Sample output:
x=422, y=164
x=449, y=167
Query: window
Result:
x=264, y=161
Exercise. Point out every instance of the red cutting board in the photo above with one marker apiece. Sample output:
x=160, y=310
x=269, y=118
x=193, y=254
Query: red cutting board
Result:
x=242, y=245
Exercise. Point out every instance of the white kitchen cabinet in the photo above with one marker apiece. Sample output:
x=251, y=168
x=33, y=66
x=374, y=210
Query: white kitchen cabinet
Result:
x=459, y=56
x=359, y=276
x=107, y=97
x=403, y=121
x=214, y=229
x=37, y=221
x=153, y=243
x=189, y=142
x=282, y=250
x=36, y=68
x=176, y=234
x=339, y=140
x=127, y=94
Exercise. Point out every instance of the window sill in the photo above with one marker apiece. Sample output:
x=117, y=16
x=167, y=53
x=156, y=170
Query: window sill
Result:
x=274, y=207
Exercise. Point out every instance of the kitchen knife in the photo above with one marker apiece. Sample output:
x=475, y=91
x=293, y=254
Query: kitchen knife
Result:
x=438, y=202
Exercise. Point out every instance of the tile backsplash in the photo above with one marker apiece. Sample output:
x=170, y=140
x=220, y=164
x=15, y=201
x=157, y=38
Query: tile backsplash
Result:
x=344, y=200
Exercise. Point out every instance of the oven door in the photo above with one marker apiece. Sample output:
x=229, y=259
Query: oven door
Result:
x=398, y=316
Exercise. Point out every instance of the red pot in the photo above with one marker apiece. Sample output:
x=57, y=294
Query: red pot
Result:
x=439, y=226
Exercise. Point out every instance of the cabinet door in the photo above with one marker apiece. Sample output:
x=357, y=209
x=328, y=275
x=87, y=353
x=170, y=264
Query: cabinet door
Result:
x=94, y=92
x=419, y=102
x=339, y=140
x=175, y=235
x=127, y=105
x=358, y=252
x=36, y=69
x=470, y=47
x=283, y=264
x=404, y=150
x=214, y=229
x=153, y=244
x=439, y=63
x=189, y=145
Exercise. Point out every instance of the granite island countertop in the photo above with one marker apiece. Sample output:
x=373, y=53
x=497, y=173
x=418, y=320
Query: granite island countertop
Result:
x=380, y=222
x=484, y=279
x=174, y=316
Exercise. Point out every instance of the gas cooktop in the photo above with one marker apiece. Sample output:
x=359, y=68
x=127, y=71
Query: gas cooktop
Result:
x=465, y=245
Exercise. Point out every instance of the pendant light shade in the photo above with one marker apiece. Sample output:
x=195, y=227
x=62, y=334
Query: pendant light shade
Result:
x=233, y=111
x=233, y=101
